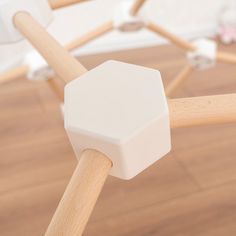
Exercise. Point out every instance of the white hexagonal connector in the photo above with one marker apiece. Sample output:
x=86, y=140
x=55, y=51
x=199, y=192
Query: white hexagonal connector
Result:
x=205, y=55
x=120, y=110
x=124, y=21
x=39, y=9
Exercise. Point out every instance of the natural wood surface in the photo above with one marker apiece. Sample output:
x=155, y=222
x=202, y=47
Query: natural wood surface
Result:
x=55, y=4
x=57, y=88
x=137, y=6
x=66, y=66
x=226, y=57
x=182, y=43
x=181, y=77
x=194, y=184
x=13, y=74
x=81, y=195
x=86, y=184
x=204, y=110
x=92, y=35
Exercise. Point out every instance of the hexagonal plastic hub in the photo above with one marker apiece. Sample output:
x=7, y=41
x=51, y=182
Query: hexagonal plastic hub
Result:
x=121, y=110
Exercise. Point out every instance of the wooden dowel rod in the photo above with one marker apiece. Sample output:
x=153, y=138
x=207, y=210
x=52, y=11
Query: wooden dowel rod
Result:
x=56, y=88
x=55, y=4
x=87, y=181
x=205, y=110
x=182, y=43
x=66, y=66
x=179, y=80
x=12, y=74
x=81, y=195
x=99, y=31
x=137, y=6
x=226, y=57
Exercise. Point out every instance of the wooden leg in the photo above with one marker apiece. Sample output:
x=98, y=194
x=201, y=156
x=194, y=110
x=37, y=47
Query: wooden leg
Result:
x=55, y=4
x=56, y=88
x=206, y=110
x=13, y=74
x=137, y=6
x=87, y=181
x=66, y=66
x=184, y=44
x=81, y=195
x=179, y=80
x=226, y=57
x=101, y=30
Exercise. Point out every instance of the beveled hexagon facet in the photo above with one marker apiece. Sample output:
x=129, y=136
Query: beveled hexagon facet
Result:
x=121, y=110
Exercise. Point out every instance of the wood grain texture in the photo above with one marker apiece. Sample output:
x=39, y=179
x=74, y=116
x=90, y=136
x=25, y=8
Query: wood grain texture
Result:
x=204, y=110
x=194, y=184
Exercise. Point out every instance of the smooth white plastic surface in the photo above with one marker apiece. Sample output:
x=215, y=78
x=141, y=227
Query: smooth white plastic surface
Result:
x=123, y=20
x=205, y=55
x=120, y=110
x=39, y=9
x=39, y=69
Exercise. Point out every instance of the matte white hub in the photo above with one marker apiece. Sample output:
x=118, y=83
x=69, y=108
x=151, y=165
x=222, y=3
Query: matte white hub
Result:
x=205, y=55
x=121, y=110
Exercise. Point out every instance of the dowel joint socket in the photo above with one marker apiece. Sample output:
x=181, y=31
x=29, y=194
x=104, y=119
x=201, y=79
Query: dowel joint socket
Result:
x=204, y=56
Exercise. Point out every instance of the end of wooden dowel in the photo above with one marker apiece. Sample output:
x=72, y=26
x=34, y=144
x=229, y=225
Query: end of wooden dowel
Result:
x=205, y=110
x=80, y=195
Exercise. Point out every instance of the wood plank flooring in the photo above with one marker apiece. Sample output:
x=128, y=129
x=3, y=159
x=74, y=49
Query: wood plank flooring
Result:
x=191, y=191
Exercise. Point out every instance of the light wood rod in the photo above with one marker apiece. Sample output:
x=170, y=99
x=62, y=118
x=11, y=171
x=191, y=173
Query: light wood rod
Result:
x=56, y=88
x=81, y=195
x=178, y=80
x=226, y=57
x=137, y=6
x=87, y=181
x=99, y=31
x=205, y=110
x=55, y=4
x=182, y=43
x=66, y=66
x=14, y=73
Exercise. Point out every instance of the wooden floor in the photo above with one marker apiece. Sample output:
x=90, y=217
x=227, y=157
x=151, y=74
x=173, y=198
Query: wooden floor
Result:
x=191, y=191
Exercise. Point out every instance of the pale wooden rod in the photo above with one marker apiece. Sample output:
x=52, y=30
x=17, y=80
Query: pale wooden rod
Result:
x=99, y=31
x=57, y=88
x=80, y=196
x=137, y=6
x=14, y=73
x=205, y=110
x=226, y=57
x=23, y=70
x=182, y=43
x=178, y=80
x=65, y=66
x=55, y=4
